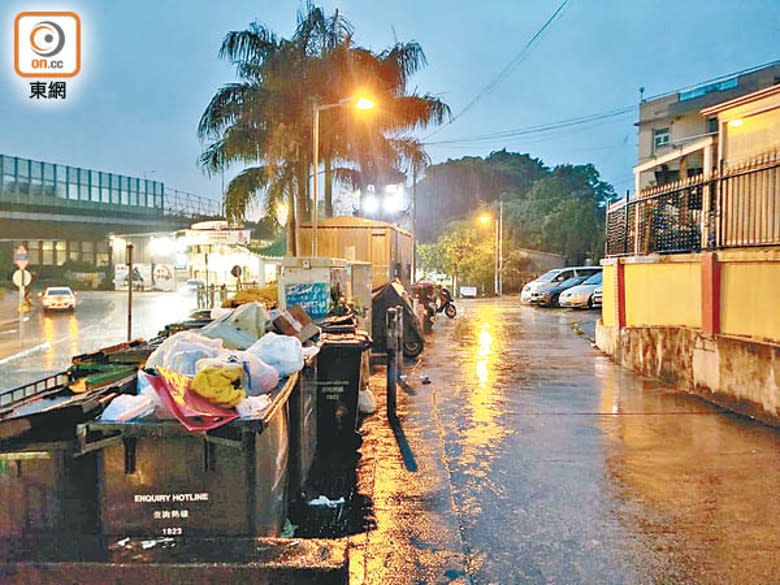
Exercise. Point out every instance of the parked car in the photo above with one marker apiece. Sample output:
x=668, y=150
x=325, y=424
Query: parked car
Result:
x=581, y=296
x=549, y=295
x=194, y=284
x=58, y=298
x=556, y=275
x=597, y=297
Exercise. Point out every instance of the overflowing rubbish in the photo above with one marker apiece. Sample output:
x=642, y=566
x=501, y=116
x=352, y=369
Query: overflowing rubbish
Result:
x=288, y=530
x=219, y=382
x=258, y=377
x=240, y=328
x=181, y=352
x=194, y=412
x=326, y=502
x=128, y=407
x=295, y=322
x=366, y=401
x=253, y=406
x=283, y=352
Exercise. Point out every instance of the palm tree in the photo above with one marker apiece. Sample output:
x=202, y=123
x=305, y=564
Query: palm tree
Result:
x=264, y=121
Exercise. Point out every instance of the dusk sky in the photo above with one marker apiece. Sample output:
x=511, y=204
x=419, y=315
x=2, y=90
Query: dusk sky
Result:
x=150, y=68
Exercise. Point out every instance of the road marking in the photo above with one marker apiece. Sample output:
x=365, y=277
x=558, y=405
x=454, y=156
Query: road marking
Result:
x=26, y=352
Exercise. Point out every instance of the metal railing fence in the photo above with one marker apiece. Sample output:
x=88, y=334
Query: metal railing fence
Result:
x=739, y=207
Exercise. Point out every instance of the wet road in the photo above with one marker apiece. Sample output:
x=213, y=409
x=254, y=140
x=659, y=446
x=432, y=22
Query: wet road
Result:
x=100, y=319
x=564, y=468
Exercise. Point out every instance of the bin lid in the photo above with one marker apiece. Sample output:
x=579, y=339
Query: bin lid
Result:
x=359, y=339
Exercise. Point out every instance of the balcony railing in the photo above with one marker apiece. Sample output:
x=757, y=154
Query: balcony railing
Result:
x=738, y=208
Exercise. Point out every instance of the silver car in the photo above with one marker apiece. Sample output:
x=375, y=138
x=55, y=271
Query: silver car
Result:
x=597, y=297
x=532, y=291
x=581, y=296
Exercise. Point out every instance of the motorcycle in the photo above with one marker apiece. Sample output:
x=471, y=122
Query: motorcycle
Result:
x=445, y=304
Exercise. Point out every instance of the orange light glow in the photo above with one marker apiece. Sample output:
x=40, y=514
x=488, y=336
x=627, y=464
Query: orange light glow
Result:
x=364, y=103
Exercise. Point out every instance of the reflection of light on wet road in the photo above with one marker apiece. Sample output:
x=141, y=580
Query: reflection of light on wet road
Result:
x=48, y=334
x=484, y=355
x=483, y=426
x=73, y=330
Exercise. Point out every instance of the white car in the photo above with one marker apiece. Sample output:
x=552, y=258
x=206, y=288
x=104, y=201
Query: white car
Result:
x=581, y=296
x=60, y=298
x=532, y=291
x=597, y=297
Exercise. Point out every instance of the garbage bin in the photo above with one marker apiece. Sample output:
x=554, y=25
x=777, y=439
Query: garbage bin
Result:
x=49, y=501
x=303, y=427
x=392, y=295
x=339, y=377
x=155, y=478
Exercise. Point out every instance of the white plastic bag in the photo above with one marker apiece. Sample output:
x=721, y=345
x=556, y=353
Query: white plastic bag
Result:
x=181, y=351
x=282, y=352
x=240, y=328
x=128, y=407
x=258, y=378
x=253, y=406
x=366, y=401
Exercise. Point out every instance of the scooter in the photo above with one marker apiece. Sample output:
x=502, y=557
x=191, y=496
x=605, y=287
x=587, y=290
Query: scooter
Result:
x=445, y=304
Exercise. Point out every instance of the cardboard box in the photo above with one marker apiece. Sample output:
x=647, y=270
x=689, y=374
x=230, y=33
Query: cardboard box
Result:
x=296, y=322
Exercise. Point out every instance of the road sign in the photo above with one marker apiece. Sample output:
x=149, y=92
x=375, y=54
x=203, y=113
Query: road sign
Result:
x=21, y=278
x=236, y=271
x=21, y=257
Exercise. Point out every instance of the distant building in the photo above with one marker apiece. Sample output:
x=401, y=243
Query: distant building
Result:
x=676, y=139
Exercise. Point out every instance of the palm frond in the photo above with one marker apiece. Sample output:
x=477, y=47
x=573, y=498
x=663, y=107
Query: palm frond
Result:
x=242, y=191
x=252, y=45
x=224, y=108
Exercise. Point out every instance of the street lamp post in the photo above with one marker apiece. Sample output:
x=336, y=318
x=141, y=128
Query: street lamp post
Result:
x=360, y=103
x=498, y=248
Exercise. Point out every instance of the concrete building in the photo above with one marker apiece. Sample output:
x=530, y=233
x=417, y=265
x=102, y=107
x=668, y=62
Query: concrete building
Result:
x=678, y=135
x=693, y=267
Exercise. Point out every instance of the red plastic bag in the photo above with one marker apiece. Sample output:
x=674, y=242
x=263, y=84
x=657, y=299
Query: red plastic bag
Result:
x=194, y=412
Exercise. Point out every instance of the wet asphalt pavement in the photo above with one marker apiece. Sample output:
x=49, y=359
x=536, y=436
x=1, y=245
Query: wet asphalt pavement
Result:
x=539, y=461
x=530, y=458
x=100, y=319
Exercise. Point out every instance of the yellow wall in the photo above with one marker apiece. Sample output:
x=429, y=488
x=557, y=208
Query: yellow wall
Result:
x=749, y=299
x=666, y=294
x=608, y=300
x=758, y=133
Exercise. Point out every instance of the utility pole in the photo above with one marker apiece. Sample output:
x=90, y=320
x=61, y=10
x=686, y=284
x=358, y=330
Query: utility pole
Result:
x=129, y=292
x=500, y=247
x=495, y=258
x=414, y=222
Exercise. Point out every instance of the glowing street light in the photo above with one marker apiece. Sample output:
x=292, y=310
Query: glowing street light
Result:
x=485, y=219
x=364, y=103
x=359, y=103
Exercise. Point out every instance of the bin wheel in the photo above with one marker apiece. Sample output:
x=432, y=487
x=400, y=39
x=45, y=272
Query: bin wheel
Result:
x=412, y=347
x=450, y=310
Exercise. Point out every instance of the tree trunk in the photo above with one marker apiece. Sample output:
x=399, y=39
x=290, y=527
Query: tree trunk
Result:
x=328, y=186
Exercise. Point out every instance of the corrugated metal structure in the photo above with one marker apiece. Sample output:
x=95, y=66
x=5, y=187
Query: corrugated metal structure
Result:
x=387, y=248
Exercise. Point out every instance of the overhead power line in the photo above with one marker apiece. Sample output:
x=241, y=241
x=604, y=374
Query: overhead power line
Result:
x=540, y=128
x=504, y=73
